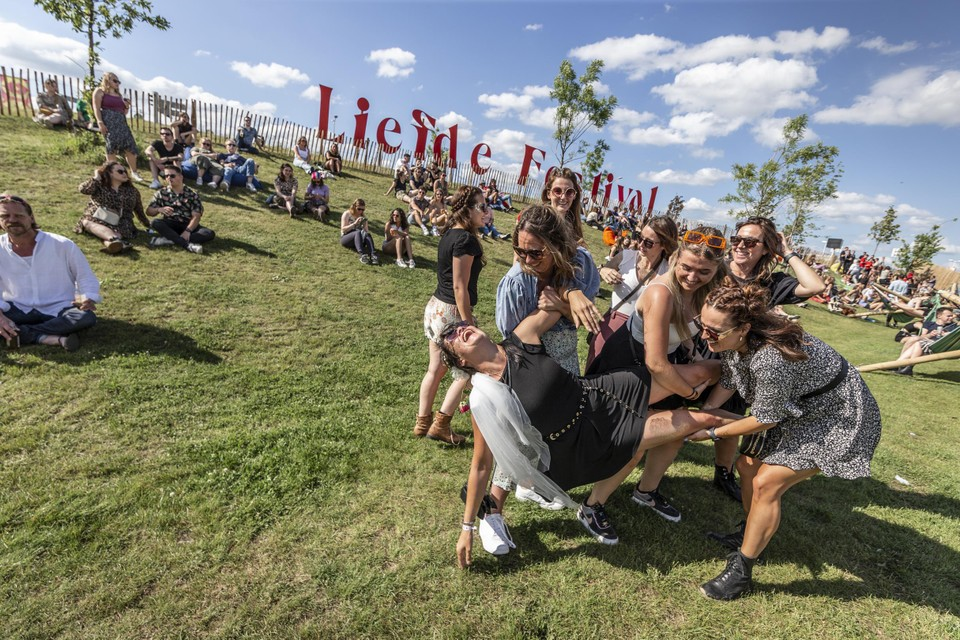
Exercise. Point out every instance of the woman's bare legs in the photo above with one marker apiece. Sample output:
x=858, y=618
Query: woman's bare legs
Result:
x=431, y=380
x=99, y=231
x=763, y=519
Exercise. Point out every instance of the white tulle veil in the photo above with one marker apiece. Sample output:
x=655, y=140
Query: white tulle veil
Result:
x=505, y=425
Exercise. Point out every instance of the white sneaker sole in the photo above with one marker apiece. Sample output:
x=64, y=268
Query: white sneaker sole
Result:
x=596, y=536
x=643, y=503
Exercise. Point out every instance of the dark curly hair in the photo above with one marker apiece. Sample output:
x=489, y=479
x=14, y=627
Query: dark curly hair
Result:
x=749, y=304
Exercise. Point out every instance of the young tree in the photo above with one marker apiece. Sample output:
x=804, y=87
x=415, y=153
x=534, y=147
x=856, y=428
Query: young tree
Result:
x=102, y=18
x=796, y=179
x=886, y=229
x=579, y=109
x=915, y=256
x=675, y=208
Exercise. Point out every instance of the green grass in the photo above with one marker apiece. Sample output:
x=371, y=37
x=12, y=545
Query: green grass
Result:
x=229, y=455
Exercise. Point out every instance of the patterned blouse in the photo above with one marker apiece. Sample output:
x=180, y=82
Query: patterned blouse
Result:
x=286, y=187
x=183, y=204
x=125, y=200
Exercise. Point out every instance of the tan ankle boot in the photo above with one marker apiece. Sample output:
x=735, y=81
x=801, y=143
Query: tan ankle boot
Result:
x=440, y=430
x=422, y=426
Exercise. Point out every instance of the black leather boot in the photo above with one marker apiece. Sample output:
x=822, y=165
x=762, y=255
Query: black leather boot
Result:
x=733, y=581
x=732, y=540
x=726, y=480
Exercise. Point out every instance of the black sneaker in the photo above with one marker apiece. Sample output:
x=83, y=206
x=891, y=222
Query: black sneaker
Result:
x=487, y=505
x=735, y=580
x=726, y=480
x=657, y=502
x=594, y=519
x=732, y=540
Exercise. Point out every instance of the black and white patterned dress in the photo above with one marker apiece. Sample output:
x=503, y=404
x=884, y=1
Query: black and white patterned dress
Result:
x=836, y=432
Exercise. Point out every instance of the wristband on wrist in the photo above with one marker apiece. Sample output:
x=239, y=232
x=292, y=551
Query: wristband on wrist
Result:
x=468, y=526
x=790, y=256
x=712, y=432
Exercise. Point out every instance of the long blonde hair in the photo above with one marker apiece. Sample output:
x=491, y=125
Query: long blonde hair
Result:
x=715, y=256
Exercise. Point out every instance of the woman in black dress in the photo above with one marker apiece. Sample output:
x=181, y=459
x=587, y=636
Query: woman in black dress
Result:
x=810, y=413
x=586, y=429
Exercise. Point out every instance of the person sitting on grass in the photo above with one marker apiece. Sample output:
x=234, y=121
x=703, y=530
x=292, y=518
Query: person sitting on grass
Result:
x=317, y=197
x=246, y=136
x=113, y=203
x=285, y=186
x=234, y=163
x=355, y=232
x=179, y=210
x=54, y=109
x=396, y=239
x=401, y=176
x=183, y=131
x=417, y=214
x=499, y=201
x=915, y=346
x=47, y=290
x=163, y=153
x=301, y=156
x=209, y=171
x=332, y=161
x=487, y=230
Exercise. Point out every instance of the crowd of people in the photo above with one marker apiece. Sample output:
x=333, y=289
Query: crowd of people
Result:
x=692, y=348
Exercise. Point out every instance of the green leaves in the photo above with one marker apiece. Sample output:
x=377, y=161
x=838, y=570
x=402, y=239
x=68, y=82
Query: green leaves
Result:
x=578, y=110
x=920, y=253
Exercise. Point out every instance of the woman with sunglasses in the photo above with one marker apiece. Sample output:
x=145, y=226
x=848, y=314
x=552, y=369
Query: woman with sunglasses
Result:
x=562, y=192
x=660, y=322
x=355, y=232
x=301, y=156
x=810, y=413
x=113, y=203
x=581, y=430
x=629, y=270
x=396, y=239
x=459, y=261
x=110, y=110
x=209, y=171
x=755, y=249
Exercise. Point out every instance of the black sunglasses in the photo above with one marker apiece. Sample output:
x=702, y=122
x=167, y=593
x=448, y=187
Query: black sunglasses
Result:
x=748, y=242
x=712, y=334
x=171, y=176
x=648, y=244
x=534, y=254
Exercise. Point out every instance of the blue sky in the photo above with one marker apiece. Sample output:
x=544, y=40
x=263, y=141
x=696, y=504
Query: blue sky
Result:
x=700, y=85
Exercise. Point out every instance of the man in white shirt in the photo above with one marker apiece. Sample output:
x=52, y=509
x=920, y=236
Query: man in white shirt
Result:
x=47, y=290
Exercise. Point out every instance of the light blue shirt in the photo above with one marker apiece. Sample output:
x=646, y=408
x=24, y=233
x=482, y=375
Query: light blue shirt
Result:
x=517, y=293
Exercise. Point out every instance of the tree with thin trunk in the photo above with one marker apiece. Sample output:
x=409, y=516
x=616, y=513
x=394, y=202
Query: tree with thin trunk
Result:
x=100, y=19
x=920, y=252
x=886, y=229
x=578, y=110
x=675, y=208
x=795, y=180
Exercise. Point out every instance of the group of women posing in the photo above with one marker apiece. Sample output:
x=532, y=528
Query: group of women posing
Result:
x=681, y=321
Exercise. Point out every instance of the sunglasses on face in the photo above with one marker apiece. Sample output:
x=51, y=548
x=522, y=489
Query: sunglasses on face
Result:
x=559, y=193
x=451, y=334
x=171, y=176
x=165, y=133
x=712, y=334
x=120, y=171
x=360, y=210
x=747, y=241
x=648, y=244
x=534, y=254
x=480, y=206
x=714, y=242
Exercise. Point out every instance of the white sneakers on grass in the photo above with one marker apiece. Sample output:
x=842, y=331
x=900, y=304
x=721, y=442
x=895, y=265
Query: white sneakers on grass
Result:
x=529, y=495
x=495, y=535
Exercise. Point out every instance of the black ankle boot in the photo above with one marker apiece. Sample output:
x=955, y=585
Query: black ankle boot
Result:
x=732, y=540
x=725, y=480
x=733, y=581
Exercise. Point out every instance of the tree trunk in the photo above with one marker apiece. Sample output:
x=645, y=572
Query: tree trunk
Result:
x=91, y=53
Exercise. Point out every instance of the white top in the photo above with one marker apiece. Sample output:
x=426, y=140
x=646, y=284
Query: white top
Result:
x=635, y=324
x=626, y=262
x=49, y=280
x=303, y=153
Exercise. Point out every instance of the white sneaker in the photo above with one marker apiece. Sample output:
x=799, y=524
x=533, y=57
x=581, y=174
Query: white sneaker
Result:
x=250, y=186
x=136, y=176
x=212, y=185
x=199, y=181
x=224, y=185
x=411, y=264
x=195, y=248
x=426, y=231
x=155, y=184
x=401, y=263
x=436, y=231
x=160, y=241
x=495, y=535
x=374, y=259
x=529, y=495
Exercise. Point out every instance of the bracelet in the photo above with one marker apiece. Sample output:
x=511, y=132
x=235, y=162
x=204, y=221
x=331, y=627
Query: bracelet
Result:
x=468, y=526
x=790, y=256
x=693, y=394
x=712, y=432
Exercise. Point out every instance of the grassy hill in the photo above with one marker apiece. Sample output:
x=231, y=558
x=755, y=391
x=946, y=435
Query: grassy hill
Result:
x=229, y=455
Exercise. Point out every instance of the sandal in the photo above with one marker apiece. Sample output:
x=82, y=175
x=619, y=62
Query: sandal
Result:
x=112, y=246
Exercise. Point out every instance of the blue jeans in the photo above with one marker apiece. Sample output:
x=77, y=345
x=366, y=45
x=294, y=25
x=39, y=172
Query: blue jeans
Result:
x=247, y=169
x=490, y=230
x=34, y=324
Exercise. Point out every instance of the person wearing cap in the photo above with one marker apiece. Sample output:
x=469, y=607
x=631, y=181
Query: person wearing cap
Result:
x=48, y=292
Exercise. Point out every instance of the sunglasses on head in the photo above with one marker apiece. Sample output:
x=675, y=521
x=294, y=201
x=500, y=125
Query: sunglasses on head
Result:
x=534, y=254
x=712, y=334
x=559, y=192
x=714, y=242
x=747, y=241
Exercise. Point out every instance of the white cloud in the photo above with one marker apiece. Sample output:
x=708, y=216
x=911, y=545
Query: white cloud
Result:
x=508, y=145
x=533, y=27
x=311, y=93
x=769, y=132
x=601, y=89
x=696, y=204
x=642, y=54
x=271, y=75
x=706, y=153
x=201, y=53
x=912, y=97
x=520, y=106
x=419, y=87
x=861, y=209
x=667, y=8
x=706, y=177
x=464, y=125
x=686, y=129
x=880, y=45
x=393, y=62
x=629, y=117
x=752, y=88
